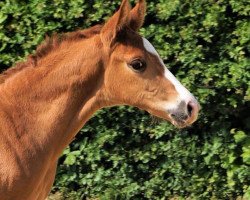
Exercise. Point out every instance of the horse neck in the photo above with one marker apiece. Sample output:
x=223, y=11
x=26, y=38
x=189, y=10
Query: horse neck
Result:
x=48, y=104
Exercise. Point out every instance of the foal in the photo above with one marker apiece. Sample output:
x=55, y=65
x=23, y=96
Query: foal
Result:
x=47, y=99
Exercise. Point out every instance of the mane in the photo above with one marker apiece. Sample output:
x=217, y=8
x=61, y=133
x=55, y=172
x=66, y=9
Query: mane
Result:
x=47, y=46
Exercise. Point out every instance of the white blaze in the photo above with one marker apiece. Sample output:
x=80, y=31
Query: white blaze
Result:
x=149, y=47
x=184, y=94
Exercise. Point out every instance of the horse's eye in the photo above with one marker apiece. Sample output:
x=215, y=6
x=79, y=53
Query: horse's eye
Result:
x=138, y=65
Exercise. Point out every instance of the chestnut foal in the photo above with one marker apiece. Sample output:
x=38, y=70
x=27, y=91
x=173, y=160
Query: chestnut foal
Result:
x=47, y=99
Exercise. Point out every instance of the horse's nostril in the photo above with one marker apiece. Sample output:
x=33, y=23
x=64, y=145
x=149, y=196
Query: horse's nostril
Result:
x=190, y=108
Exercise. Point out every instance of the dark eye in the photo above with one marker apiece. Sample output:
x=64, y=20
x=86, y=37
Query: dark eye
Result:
x=138, y=65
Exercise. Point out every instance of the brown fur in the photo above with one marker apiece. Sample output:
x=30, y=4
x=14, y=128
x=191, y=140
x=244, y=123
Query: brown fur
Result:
x=47, y=99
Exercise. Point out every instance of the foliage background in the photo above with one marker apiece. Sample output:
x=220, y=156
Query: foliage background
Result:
x=120, y=153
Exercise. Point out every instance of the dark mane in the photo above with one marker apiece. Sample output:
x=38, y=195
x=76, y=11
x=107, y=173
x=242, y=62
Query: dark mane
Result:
x=46, y=47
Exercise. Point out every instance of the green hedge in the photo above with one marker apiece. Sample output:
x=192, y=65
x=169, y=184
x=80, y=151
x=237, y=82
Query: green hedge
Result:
x=121, y=153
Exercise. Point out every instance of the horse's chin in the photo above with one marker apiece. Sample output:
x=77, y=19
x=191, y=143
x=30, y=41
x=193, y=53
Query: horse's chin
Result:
x=180, y=124
x=159, y=119
x=160, y=116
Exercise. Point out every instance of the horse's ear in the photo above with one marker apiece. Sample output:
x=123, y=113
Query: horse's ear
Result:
x=138, y=15
x=116, y=23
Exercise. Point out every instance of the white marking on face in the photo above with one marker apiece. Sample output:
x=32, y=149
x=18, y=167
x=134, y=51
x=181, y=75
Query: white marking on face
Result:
x=149, y=47
x=184, y=94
